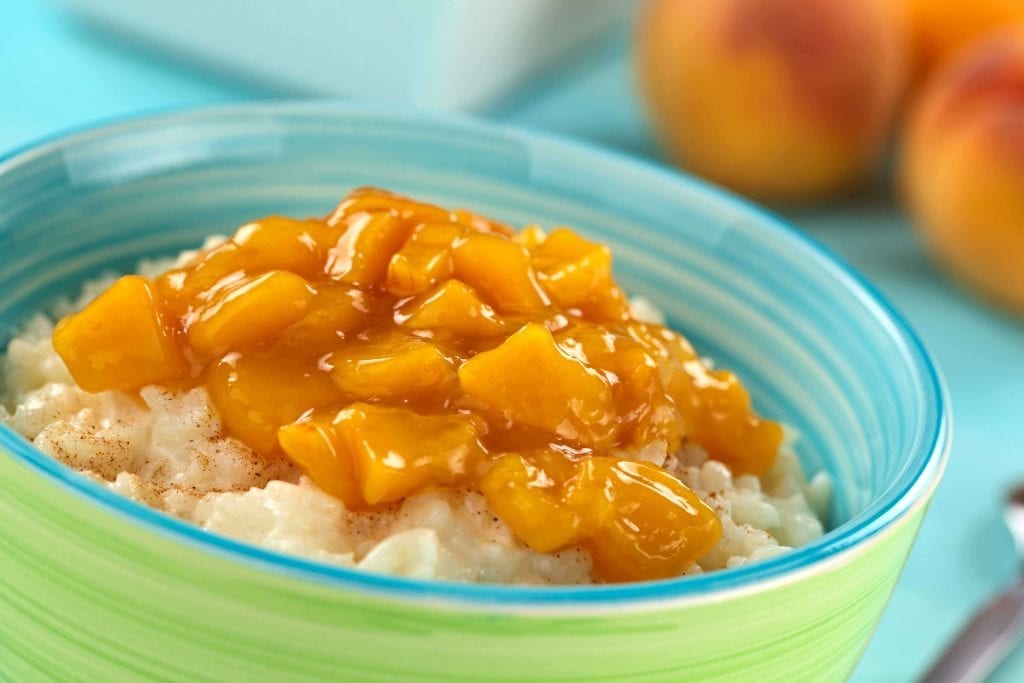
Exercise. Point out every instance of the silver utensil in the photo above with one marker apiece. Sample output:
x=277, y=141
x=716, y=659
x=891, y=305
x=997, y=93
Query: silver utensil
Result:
x=996, y=629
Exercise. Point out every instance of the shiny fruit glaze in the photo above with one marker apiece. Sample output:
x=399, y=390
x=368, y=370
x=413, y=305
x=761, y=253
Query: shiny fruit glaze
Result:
x=396, y=347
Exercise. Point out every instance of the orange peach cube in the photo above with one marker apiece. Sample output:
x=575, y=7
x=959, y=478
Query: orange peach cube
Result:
x=373, y=200
x=397, y=451
x=271, y=243
x=454, y=307
x=281, y=243
x=317, y=447
x=337, y=312
x=363, y=251
x=716, y=409
x=394, y=367
x=249, y=312
x=500, y=270
x=387, y=452
x=424, y=260
x=572, y=270
x=529, y=500
x=120, y=340
x=254, y=395
x=647, y=524
x=529, y=380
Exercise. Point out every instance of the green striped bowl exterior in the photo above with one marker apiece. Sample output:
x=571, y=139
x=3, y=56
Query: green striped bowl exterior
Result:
x=96, y=588
x=93, y=597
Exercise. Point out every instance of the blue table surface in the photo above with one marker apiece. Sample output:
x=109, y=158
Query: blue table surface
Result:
x=55, y=74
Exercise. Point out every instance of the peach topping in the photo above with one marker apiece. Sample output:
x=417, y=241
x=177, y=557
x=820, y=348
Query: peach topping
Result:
x=396, y=347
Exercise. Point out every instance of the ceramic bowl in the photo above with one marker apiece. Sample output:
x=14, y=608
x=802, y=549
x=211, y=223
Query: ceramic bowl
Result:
x=95, y=587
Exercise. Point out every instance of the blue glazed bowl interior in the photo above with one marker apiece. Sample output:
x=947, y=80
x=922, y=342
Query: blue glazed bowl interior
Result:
x=818, y=348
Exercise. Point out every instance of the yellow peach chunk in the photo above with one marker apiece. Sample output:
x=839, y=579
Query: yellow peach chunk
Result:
x=120, y=340
x=337, y=312
x=478, y=223
x=282, y=243
x=718, y=415
x=393, y=367
x=531, y=237
x=529, y=500
x=648, y=418
x=424, y=260
x=397, y=451
x=528, y=380
x=500, y=270
x=647, y=524
x=455, y=307
x=271, y=243
x=362, y=253
x=317, y=447
x=249, y=312
x=572, y=270
x=389, y=452
x=375, y=200
x=255, y=395
x=558, y=247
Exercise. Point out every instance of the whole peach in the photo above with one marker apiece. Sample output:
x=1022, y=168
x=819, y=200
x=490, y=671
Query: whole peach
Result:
x=940, y=28
x=779, y=99
x=963, y=167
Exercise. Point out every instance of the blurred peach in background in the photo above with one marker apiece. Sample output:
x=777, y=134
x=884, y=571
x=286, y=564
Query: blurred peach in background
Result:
x=778, y=99
x=799, y=100
x=940, y=28
x=963, y=166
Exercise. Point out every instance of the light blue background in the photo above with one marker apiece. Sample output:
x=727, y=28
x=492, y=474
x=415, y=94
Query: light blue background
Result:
x=55, y=75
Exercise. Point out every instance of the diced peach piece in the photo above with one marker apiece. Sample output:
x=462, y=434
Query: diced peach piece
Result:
x=393, y=367
x=478, y=223
x=437, y=234
x=398, y=452
x=719, y=417
x=363, y=251
x=255, y=395
x=271, y=243
x=662, y=342
x=500, y=269
x=647, y=524
x=337, y=312
x=531, y=237
x=561, y=245
x=572, y=270
x=529, y=380
x=185, y=288
x=529, y=500
x=317, y=447
x=607, y=305
x=455, y=307
x=388, y=452
x=120, y=340
x=648, y=417
x=424, y=260
x=373, y=200
x=252, y=311
x=281, y=243
x=654, y=423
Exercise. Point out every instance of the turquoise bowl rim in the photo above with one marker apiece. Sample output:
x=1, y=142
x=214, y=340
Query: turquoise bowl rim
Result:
x=915, y=483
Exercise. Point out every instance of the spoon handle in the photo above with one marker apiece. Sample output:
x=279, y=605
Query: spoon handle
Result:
x=984, y=642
